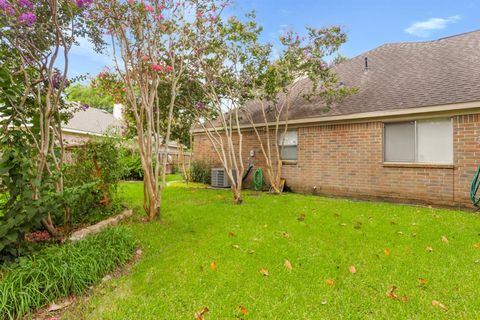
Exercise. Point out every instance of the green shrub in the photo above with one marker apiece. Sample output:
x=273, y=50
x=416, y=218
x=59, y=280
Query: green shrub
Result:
x=97, y=167
x=131, y=165
x=58, y=271
x=200, y=171
x=3, y=200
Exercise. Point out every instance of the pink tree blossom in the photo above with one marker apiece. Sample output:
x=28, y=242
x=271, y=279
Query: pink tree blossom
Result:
x=27, y=18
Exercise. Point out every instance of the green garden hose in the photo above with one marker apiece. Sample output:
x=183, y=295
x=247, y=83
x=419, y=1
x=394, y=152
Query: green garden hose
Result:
x=474, y=188
x=258, y=180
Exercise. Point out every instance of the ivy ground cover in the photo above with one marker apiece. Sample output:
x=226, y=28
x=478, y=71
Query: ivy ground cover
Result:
x=294, y=257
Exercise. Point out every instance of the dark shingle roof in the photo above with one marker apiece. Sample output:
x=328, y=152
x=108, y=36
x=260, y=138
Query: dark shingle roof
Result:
x=401, y=76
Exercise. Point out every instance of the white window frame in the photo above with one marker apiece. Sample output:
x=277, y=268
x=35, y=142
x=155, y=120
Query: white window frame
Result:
x=282, y=144
x=415, y=149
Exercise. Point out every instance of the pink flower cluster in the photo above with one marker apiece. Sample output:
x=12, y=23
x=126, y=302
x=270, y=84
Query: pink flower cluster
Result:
x=26, y=18
x=83, y=3
x=25, y=4
x=161, y=68
x=57, y=79
x=5, y=6
x=149, y=8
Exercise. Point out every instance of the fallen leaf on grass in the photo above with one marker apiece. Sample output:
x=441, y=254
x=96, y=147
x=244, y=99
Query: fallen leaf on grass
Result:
x=251, y=251
x=55, y=307
x=107, y=278
x=288, y=265
x=285, y=235
x=444, y=239
x=404, y=298
x=391, y=292
x=352, y=269
x=200, y=314
x=439, y=305
x=343, y=224
x=330, y=282
x=429, y=248
x=422, y=281
x=387, y=252
x=476, y=245
x=236, y=246
x=264, y=272
x=231, y=234
x=301, y=217
x=242, y=310
x=213, y=265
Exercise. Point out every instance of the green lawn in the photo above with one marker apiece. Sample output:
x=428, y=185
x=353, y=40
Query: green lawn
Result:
x=173, y=177
x=174, y=278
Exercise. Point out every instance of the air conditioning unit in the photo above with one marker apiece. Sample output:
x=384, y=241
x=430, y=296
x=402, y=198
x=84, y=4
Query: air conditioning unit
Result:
x=220, y=178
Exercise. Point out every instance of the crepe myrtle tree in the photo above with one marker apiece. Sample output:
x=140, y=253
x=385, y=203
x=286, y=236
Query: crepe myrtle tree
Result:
x=151, y=44
x=299, y=72
x=108, y=83
x=229, y=60
x=40, y=34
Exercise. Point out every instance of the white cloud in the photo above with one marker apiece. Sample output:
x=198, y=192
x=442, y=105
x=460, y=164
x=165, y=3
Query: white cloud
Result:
x=426, y=28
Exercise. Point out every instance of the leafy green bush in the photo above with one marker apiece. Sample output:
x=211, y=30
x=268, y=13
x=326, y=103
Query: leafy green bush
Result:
x=200, y=171
x=59, y=271
x=98, y=168
x=21, y=211
x=3, y=200
x=131, y=165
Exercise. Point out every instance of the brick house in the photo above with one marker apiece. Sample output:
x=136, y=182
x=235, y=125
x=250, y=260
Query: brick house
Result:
x=410, y=134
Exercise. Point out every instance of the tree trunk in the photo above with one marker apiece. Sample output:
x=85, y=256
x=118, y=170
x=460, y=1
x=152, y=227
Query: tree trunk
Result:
x=48, y=225
x=237, y=197
x=154, y=210
x=98, y=173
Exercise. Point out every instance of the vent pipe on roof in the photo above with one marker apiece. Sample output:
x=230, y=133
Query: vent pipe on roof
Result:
x=366, y=64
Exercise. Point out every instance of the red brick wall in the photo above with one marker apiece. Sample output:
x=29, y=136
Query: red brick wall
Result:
x=347, y=160
x=466, y=153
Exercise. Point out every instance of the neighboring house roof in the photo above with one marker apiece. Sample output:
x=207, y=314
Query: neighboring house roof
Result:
x=400, y=76
x=92, y=121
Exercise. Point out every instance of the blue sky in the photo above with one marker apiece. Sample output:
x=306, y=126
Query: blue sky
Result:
x=369, y=23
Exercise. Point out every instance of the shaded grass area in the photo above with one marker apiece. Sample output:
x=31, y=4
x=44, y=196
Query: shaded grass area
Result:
x=321, y=238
